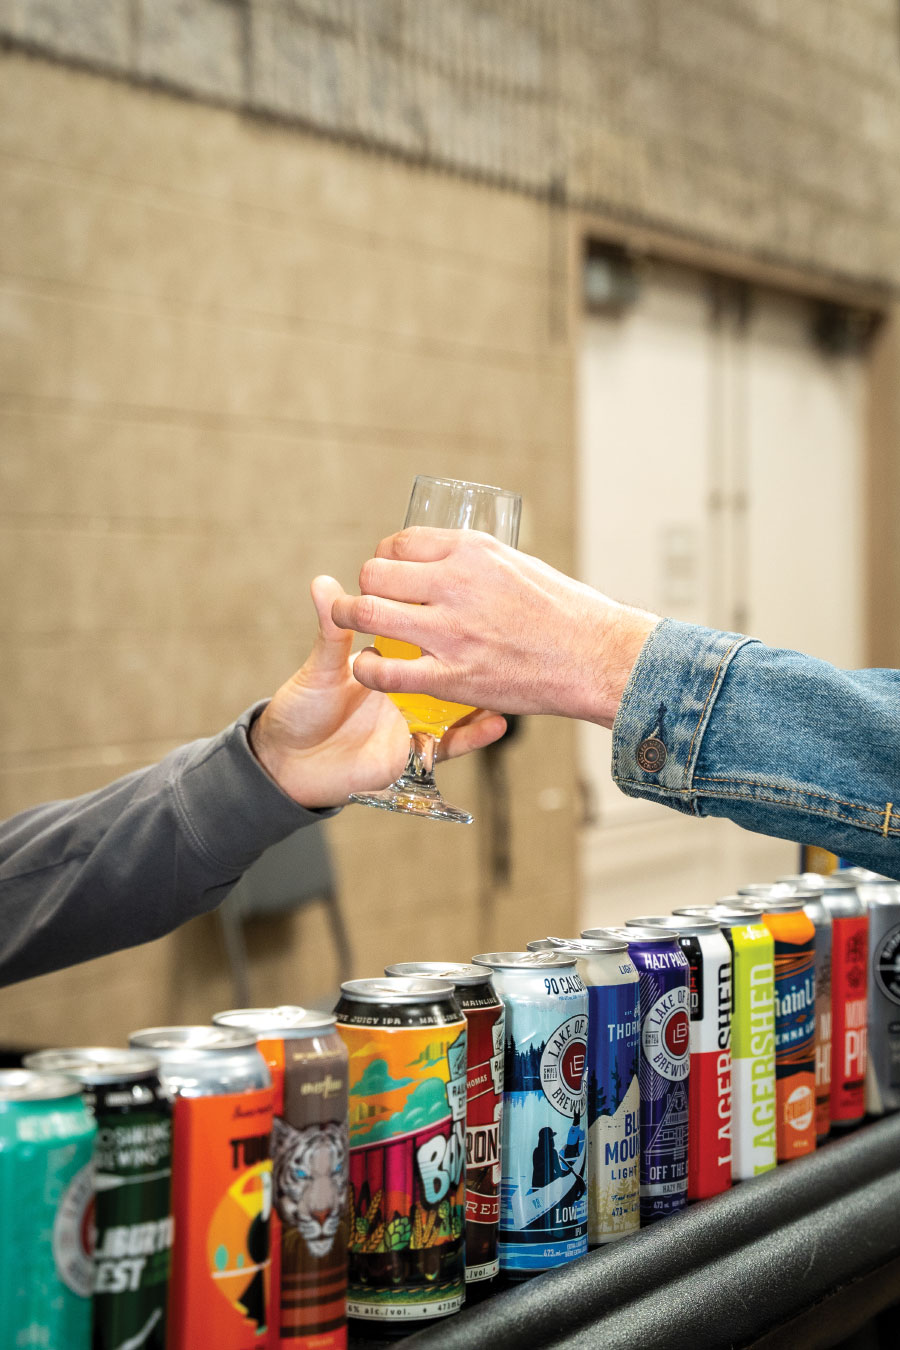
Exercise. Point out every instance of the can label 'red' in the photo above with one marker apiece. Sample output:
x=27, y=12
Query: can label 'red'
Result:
x=483, y=1113
x=407, y=1169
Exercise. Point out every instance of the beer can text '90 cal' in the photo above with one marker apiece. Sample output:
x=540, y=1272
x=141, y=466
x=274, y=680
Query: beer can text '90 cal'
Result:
x=543, y=1152
x=46, y=1190
x=406, y=1039
x=133, y=1176
x=613, y=1091
x=308, y=1063
x=221, y=1184
x=485, y=1016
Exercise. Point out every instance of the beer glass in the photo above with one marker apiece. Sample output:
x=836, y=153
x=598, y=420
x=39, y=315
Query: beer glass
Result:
x=448, y=504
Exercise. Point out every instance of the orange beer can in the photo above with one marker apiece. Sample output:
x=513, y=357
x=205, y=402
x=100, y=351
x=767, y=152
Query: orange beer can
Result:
x=310, y=1147
x=221, y=1185
x=794, y=936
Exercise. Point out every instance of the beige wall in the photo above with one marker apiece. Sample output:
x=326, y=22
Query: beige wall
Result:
x=225, y=349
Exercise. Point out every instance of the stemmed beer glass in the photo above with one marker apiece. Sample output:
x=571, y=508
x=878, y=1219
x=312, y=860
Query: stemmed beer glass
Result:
x=448, y=504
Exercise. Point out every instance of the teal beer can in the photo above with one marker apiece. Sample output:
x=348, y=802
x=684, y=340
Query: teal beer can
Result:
x=133, y=1226
x=47, y=1194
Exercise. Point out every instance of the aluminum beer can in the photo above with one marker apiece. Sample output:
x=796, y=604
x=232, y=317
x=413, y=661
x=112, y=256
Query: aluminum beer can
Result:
x=406, y=1039
x=221, y=1184
x=308, y=1063
x=133, y=1226
x=486, y=1019
x=46, y=1192
x=664, y=1071
x=543, y=1149
x=808, y=885
x=753, y=1136
x=613, y=1091
x=881, y=896
x=709, y=1091
x=849, y=995
x=795, y=1022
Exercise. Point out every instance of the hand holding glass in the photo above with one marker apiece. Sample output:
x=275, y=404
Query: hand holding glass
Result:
x=448, y=504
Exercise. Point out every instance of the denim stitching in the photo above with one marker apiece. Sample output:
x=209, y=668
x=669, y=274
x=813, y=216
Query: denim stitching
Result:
x=709, y=695
x=769, y=801
x=630, y=686
x=826, y=796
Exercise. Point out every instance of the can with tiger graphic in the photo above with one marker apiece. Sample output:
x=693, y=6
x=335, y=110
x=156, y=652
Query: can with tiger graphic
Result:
x=406, y=1039
x=308, y=1063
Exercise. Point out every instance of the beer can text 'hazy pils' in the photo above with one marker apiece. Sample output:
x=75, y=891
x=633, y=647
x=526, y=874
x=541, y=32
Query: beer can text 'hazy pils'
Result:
x=406, y=1039
x=543, y=1152
x=308, y=1063
x=133, y=1174
x=221, y=1184
x=484, y=1101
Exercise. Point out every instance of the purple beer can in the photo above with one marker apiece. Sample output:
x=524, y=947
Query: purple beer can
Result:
x=665, y=999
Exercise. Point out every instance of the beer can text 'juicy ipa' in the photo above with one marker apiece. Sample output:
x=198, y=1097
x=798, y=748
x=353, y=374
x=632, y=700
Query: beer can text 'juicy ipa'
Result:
x=881, y=897
x=795, y=1022
x=46, y=1190
x=486, y=1019
x=221, y=1184
x=308, y=1063
x=849, y=997
x=664, y=1066
x=406, y=1039
x=709, y=1092
x=807, y=885
x=133, y=1176
x=613, y=1091
x=753, y=1142
x=543, y=1151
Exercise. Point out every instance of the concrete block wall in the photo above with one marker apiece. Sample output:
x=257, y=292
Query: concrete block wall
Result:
x=226, y=347
x=768, y=125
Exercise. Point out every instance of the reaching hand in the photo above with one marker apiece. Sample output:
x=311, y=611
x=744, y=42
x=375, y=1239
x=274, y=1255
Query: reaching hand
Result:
x=497, y=628
x=324, y=735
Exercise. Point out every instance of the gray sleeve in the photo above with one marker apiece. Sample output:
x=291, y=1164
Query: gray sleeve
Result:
x=132, y=861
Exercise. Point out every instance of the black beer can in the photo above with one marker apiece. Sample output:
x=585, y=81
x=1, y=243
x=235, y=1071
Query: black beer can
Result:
x=133, y=1211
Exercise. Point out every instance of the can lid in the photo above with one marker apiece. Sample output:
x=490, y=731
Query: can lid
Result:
x=28, y=1085
x=637, y=934
x=584, y=946
x=543, y=960
x=700, y=910
x=680, y=923
x=843, y=881
x=178, y=1042
x=761, y=890
x=859, y=876
x=459, y=973
x=734, y=916
x=775, y=904
x=94, y=1063
x=398, y=989
x=287, y=1018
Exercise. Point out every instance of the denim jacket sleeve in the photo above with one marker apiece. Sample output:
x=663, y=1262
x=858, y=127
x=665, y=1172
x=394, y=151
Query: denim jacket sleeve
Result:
x=716, y=724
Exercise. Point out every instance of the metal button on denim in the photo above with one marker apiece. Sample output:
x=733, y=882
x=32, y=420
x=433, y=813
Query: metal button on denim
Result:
x=651, y=754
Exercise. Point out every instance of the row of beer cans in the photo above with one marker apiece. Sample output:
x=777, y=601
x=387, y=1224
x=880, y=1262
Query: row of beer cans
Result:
x=255, y=1181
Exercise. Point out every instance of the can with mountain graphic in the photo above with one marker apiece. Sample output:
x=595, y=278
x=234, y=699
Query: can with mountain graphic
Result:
x=406, y=1042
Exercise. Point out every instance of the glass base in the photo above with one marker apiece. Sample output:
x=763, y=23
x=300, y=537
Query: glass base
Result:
x=413, y=800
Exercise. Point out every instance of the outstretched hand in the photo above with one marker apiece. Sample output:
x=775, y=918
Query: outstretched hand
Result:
x=497, y=628
x=324, y=735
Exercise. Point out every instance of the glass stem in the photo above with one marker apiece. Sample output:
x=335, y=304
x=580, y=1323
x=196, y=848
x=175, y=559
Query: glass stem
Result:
x=419, y=769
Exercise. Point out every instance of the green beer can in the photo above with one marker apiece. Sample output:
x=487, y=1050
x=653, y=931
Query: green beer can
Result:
x=46, y=1192
x=133, y=1215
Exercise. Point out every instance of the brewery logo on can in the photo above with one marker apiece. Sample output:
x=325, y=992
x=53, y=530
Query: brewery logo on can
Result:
x=886, y=965
x=406, y=1040
x=543, y=1189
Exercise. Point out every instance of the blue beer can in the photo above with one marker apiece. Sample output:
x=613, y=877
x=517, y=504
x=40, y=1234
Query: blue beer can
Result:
x=543, y=1154
x=664, y=977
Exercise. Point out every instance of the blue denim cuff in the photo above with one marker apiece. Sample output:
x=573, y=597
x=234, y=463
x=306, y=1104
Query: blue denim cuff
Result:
x=666, y=708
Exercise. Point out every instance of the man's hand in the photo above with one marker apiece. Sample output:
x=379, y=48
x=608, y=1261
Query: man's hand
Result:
x=497, y=628
x=324, y=735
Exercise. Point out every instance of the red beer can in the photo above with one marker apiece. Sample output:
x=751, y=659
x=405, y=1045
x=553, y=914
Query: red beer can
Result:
x=485, y=1016
x=849, y=998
